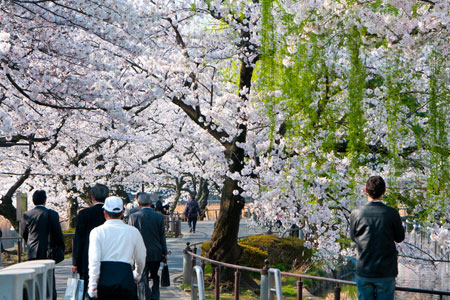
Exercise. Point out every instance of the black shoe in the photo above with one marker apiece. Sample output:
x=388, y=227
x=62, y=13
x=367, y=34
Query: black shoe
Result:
x=190, y=229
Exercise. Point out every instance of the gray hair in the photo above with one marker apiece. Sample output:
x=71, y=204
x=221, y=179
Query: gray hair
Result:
x=144, y=199
x=99, y=192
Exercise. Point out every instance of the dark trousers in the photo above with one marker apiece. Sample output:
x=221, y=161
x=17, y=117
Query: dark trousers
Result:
x=193, y=221
x=116, y=281
x=85, y=277
x=143, y=287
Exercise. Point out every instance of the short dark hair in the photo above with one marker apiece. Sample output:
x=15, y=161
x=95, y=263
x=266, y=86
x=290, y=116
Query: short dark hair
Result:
x=375, y=187
x=113, y=215
x=39, y=197
x=99, y=192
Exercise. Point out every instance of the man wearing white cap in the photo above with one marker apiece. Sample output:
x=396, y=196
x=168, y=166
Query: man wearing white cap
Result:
x=113, y=249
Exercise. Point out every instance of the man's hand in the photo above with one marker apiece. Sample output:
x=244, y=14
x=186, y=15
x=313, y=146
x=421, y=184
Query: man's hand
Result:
x=93, y=293
x=74, y=269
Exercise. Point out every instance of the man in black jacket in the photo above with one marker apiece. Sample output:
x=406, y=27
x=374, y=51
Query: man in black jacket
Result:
x=375, y=228
x=39, y=226
x=159, y=207
x=87, y=219
x=151, y=226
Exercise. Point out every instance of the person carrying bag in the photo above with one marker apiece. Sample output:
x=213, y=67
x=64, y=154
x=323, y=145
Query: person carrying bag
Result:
x=74, y=289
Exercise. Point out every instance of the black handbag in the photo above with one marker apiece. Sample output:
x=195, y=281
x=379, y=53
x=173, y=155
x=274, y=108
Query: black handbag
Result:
x=55, y=253
x=165, y=278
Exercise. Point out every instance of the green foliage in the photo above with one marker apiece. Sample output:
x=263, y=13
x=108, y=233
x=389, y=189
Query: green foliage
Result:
x=439, y=179
x=356, y=85
x=282, y=252
x=252, y=256
x=312, y=285
x=68, y=240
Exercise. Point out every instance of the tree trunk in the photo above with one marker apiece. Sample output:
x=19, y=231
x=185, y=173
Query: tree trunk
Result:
x=179, y=182
x=224, y=245
x=7, y=208
x=72, y=211
x=119, y=190
x=203, y=196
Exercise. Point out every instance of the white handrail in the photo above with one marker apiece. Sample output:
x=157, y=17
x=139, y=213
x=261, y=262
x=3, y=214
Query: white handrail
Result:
x=275, y=276
x=200, y=285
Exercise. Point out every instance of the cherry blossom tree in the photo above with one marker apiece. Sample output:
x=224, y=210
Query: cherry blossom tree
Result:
x=292, y=103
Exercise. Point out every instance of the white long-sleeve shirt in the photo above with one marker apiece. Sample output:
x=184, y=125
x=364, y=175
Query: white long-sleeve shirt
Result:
x=114, y=241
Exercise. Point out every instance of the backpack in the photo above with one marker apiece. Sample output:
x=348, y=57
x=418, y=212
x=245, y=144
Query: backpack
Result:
x=193, y=209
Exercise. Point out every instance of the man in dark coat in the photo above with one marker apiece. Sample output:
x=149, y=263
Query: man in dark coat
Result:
x=375, y=228
x=87, y=219
x=39, y=226
x=151, y=226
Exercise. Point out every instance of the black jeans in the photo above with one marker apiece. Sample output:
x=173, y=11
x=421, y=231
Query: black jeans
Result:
x=192, y=220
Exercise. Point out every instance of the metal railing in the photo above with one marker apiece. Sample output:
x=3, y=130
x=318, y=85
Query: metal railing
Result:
x=199, y=286
x=173, y=225
x=266, y=287
x=20, y=244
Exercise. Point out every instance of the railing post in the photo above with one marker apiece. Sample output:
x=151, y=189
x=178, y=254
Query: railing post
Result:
x=187, y=265
x=217, y=282
x=194, y=260
x=264, y=288
x=202, y=264
x=299, y=289
x=237, y=280
x=337, y=292
x=19, y=250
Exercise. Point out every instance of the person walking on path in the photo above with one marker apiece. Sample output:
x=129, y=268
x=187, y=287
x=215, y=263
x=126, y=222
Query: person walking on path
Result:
x=114, y=248
x=375, y=228
x=192, y=211
x=87, y=219
x=41, y=230
x=151, y=226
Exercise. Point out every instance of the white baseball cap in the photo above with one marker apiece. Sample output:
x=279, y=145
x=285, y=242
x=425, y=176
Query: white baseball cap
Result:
x=113, y=204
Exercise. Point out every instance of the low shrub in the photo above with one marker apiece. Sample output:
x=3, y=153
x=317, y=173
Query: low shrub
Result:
x=250, y=256
x=285, y=253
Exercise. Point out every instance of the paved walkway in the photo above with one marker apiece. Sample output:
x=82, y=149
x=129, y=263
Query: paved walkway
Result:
x=175, y=245
x=63, y=271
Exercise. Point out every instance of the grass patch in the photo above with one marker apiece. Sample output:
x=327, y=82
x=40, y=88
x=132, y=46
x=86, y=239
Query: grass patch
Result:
x=10, y=257
x=244, y=295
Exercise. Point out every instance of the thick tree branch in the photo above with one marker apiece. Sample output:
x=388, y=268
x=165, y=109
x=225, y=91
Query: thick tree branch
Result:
x=76, y=160
x=159, y=155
